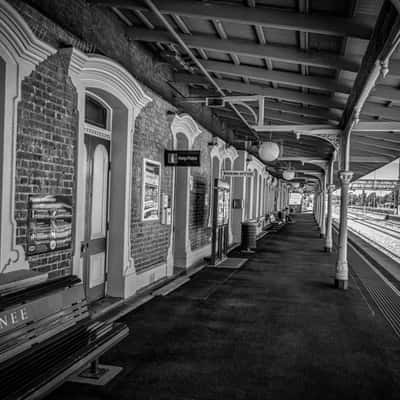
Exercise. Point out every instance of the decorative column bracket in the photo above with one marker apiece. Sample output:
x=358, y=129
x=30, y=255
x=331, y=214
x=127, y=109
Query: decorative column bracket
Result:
x=331, y=136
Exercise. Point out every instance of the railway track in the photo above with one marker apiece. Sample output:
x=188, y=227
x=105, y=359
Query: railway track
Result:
x=394, y=233
x=377, y=226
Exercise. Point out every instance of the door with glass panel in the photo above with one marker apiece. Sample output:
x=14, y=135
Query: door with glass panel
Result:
x=97, y=172
x=94, y=247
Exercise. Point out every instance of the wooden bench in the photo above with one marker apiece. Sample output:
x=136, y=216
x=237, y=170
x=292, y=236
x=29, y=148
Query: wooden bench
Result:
x=273, y=224
x=46, y=335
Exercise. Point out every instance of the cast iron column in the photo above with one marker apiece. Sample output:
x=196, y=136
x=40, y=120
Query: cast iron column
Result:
x=342, y=272
x=323, y=207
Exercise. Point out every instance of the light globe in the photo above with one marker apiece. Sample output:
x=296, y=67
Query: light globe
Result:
x=268, y=151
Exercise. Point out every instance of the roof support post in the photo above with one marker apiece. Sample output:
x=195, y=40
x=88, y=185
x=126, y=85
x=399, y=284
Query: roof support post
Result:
x=316, y=207
x=323, y=205
x=330, y=189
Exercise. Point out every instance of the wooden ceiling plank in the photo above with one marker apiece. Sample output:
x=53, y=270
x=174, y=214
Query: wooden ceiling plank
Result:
x=353, y=159
x=384, y=92
x=390, y=126
x=368, y=150
x=378, y=136
x=306, y=111
x=291, y=118
x=263, y=16
x=312, y=82
x=295, y=128
x=379, y=110
x=380, y=145
x=250, y=49
x=281, y=94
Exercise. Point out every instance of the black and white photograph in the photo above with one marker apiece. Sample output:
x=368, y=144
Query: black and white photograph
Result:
x=200, y=199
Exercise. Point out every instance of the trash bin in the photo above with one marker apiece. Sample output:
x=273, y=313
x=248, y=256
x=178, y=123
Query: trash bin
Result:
x=249, y=235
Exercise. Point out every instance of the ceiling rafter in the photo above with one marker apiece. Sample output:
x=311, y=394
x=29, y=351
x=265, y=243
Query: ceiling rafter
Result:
x=262, y=40
x=377, y=126
x=262, y=90
x=288, y=78
x=380, y=145
x=363, y=149
x=263, y=16
x=377, y=136
x=375, y=110
x=251, y=49
x=300, y=106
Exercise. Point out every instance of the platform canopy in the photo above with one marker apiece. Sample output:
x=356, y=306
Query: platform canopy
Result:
x=302, y=73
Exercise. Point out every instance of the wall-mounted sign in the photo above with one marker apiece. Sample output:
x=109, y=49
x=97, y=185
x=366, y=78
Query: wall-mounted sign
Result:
x=151, y=190
x=49, y=224
x=182, y=158
x=239, y=174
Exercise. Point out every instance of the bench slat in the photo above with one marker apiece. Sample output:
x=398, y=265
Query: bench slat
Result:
x=46, y=334
x=78, y=351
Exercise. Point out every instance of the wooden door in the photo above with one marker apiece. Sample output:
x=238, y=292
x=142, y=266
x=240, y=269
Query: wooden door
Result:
x=94, y=247
x=220, y=231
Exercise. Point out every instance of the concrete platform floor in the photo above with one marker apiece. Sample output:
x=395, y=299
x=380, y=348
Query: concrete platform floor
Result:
x=274, y=329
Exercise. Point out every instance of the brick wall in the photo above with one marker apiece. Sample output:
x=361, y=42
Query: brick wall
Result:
x=199, y=232
x=45, y=149
x=150, y=239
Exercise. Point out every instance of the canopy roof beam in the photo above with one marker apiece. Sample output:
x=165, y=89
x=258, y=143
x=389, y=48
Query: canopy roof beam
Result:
x=242, y=47
x=262, y=16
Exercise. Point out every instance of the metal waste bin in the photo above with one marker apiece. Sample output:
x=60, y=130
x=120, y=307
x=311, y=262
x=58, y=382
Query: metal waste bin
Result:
x=249, y=235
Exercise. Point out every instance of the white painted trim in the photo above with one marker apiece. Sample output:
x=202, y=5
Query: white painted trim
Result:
x=218, y=150
x=150, y=276
x=198, y=255
x=186, y=125
x=231, y=153
x=101, y=73
x=21, y=52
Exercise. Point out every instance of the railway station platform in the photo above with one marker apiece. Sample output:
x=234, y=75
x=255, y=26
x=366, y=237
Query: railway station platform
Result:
x=274, y=329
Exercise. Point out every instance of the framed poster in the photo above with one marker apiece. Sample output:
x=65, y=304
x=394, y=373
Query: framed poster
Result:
x=151, y=190
x=49, y=224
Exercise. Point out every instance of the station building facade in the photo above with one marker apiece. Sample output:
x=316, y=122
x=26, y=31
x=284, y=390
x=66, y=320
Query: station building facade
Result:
x=85, y=119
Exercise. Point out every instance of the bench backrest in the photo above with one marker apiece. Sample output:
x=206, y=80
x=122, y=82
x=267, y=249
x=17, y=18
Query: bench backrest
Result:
x=27, y=323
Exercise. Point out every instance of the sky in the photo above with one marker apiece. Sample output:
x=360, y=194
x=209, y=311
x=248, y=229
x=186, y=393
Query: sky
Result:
x=389, y=171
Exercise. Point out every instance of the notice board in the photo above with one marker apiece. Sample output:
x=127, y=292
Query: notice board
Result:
x=49, y=224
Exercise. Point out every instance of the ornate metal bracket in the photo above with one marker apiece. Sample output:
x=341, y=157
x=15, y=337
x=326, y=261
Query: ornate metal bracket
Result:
x=332, y=136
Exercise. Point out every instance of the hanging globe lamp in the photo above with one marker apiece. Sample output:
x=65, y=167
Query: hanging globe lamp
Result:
x=268, y=151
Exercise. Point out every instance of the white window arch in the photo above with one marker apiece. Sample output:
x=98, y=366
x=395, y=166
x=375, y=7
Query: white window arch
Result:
x=20, y=53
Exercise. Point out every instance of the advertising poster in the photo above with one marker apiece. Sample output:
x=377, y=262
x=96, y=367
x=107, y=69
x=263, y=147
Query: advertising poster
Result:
x=49, y=224
x=151, y=191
